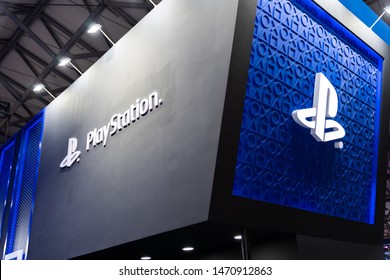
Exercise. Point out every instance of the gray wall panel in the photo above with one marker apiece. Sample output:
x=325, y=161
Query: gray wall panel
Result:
x=155, y=175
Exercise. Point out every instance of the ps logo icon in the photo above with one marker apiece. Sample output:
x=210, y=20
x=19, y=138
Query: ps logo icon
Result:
x=325, y=105
x=72, y=155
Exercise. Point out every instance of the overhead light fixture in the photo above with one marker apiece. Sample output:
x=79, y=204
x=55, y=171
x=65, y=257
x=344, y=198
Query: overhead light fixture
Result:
x=65, y=61
x=40, y=87
x=95, y=27
x=188, y=249
x=386, y=10
x=146, y=258
x=238, y=237
x=152, y=3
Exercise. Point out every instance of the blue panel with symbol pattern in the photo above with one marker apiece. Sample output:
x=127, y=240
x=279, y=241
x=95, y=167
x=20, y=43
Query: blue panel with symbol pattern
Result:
x=279, y=162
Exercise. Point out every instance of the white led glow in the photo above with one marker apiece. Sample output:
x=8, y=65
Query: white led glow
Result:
x=38, y=87
x=94, y=28
x=64, y=61
x=238, y=237
x=188, y=249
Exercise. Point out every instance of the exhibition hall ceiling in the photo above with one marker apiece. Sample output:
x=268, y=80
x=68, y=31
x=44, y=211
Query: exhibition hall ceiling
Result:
x=378, y=6
x=36, y=34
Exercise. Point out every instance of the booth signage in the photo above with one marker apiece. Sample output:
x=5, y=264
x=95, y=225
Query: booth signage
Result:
x=117, y=122
x=325, y=105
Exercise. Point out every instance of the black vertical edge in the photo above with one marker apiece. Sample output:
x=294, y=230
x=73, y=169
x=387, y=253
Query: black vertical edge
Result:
x=234, y=105
x=383, y=147
x=245, y=245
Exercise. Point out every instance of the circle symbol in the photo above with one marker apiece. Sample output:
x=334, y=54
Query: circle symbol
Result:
x=339, y=145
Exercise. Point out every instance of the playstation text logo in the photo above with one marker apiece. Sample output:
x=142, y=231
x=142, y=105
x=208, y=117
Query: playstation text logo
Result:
x=72, y=155
x=325, y=105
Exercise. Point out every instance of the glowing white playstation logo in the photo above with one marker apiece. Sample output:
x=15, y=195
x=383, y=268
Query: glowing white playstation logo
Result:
x=72, y=155
x=325, y=105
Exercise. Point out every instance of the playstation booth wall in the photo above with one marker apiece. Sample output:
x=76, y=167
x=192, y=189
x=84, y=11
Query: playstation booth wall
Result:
x=186, y=121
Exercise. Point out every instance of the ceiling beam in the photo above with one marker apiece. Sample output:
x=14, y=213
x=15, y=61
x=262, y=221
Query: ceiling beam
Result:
x=86, y=3
x=27, y=62
x=66, y=31
x=122, y=14
x=131, y=5
x=17, y=8
x=87, y=55
x=5, y=81
x=23, y=120
x=27, y=30
x=76, y=36
x=43, y=63
x=53, y=34
x=13, y=82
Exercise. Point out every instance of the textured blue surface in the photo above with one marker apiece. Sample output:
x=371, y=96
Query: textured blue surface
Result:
x=279, y=161
x=24, y=188
x=6, y=158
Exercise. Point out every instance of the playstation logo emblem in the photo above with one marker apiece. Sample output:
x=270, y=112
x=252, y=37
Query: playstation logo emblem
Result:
x=325, y=105
x=72, y=155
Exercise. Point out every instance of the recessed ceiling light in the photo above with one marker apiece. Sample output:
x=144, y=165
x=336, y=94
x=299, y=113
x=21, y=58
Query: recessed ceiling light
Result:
x=188, y=249
x=238, y=237
x=146, y=258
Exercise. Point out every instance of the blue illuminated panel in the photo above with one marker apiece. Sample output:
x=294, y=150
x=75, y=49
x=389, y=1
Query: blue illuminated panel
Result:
x=279, y=162
x=24, y=188
x=6, y=158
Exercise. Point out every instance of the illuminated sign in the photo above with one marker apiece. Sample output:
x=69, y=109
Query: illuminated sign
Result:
x=297, y=50
x=117, y=122
x=325, y=105
x=72, y=155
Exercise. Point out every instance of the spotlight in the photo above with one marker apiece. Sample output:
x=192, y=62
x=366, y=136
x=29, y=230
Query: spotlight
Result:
x=65, y=61
x=40, y=87
x=95, y=27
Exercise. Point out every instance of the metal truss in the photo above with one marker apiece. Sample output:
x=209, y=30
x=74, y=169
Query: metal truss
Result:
x=37, y=39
